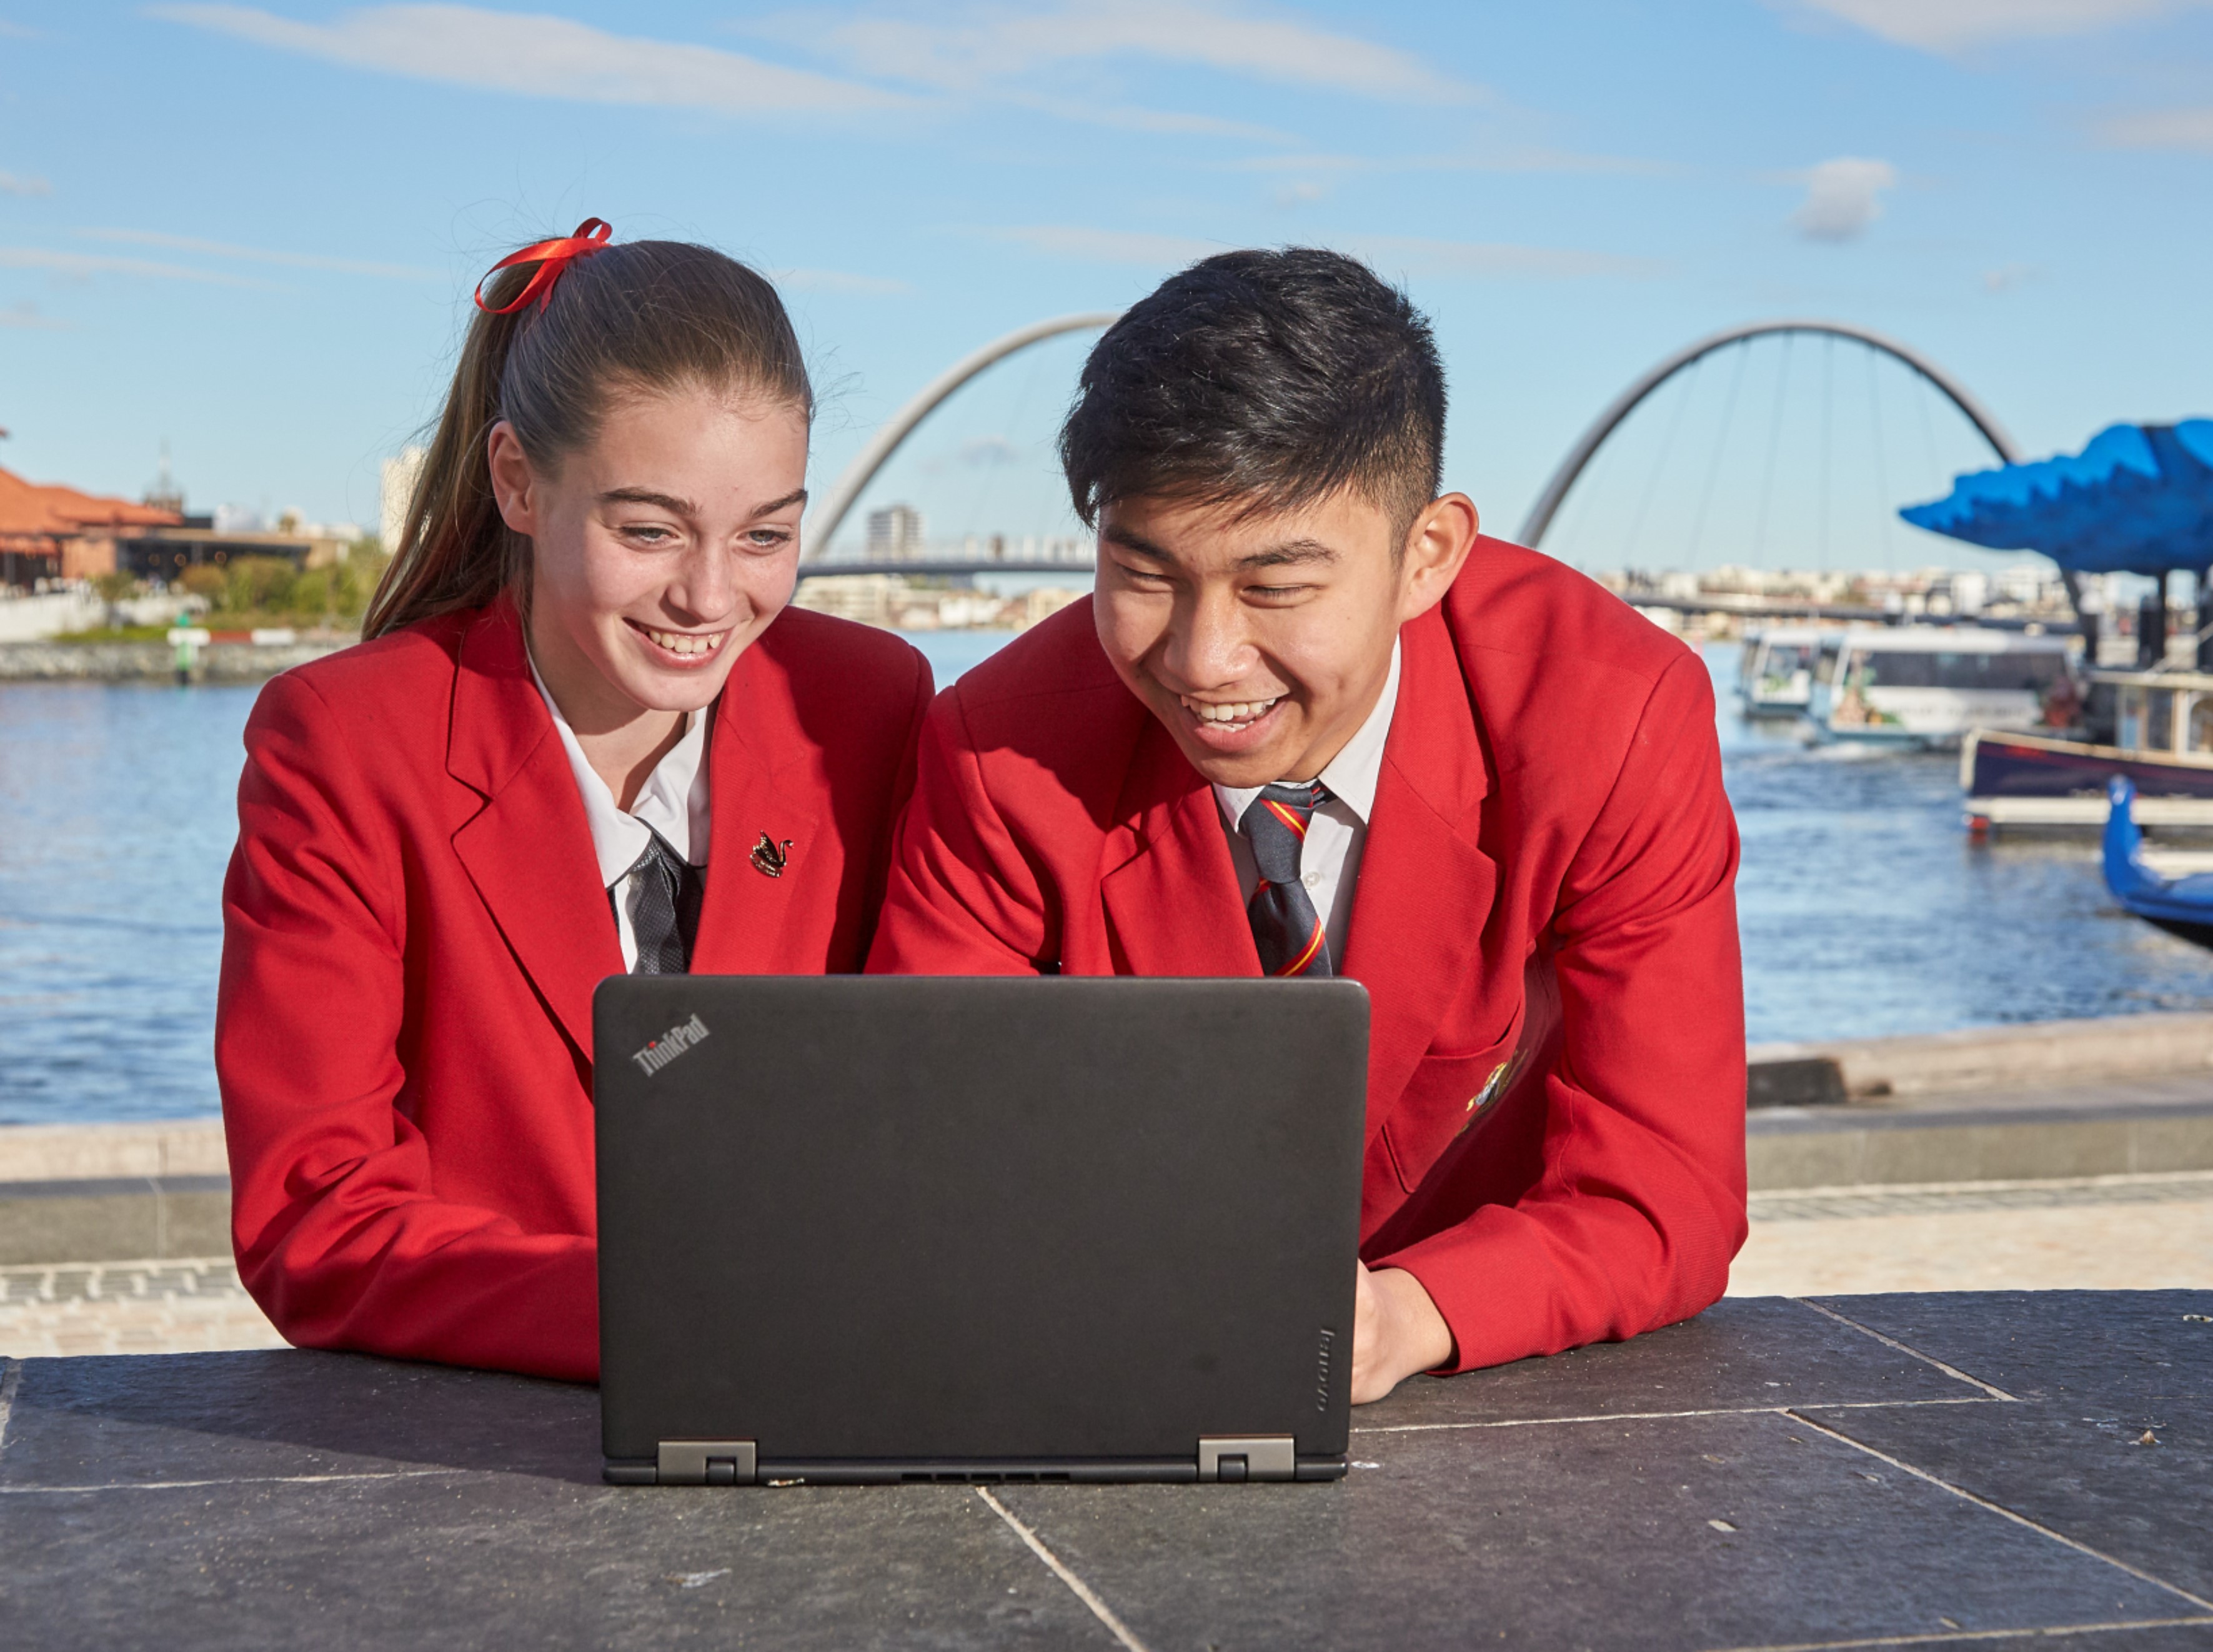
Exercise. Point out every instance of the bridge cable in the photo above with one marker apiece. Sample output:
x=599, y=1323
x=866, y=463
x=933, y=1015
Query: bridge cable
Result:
x=1577, y=511
x=987, y=482
x=1720, y=444
x=1929, y=441
x=1774, y=440
x=1883, y=502
x=1666, y=446
x=1828, y=379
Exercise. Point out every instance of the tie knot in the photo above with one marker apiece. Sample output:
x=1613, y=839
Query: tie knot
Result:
x=1300, y=800
x=1275, y=824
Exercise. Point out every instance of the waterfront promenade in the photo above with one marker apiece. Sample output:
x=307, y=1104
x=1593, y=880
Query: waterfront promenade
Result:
x=2073, y=1155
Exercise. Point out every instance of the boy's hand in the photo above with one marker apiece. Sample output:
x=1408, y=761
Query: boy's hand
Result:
x=1396, y=1332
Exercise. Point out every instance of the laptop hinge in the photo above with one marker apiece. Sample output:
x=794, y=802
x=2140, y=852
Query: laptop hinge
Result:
x=1247, y=1457
x=706, y=1462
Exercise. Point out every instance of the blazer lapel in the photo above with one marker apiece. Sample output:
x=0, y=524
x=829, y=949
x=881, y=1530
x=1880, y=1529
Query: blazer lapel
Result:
x=1170, y=888
x=755, y=748
x=1426, y=887
x=528, y=849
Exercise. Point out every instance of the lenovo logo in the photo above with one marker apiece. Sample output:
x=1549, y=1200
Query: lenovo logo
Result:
x=670, y=1046
x=1321, y=1371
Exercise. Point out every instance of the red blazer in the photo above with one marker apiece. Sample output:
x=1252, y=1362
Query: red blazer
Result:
x=412, y=927
x=1545, y=923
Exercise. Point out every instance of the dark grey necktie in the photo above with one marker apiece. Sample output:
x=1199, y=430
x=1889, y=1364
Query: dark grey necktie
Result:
x=1285, y=926
x=664, y=895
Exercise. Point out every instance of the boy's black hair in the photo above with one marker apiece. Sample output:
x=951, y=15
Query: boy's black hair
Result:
x=1265, y=380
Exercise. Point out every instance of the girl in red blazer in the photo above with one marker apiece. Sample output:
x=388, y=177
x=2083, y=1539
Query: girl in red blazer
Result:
x=584, y=735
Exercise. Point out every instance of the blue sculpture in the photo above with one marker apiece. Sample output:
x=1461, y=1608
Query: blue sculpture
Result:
x=2138, y=500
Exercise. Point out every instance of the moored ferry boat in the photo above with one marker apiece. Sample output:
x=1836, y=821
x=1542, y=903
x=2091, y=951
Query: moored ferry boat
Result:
x=1776, y=671
x=1927, y=686
x=2154, y=729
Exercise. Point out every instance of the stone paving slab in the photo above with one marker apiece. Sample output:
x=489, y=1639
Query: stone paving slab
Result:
x=2115, y=1345
x=1749, y=1353
x=288, y=1413
x=2124, y=1483
x=436, y=1559
x=1904, y=1469
x=1677, y=1532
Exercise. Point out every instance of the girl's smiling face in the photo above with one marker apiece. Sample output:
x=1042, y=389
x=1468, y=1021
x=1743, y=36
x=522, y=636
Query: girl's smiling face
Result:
x=659, y=551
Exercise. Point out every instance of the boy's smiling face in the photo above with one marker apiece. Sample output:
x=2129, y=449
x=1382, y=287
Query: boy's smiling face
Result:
x=1262, y=641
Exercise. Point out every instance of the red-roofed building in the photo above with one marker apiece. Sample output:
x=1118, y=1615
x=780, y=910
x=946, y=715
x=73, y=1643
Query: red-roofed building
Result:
x=51, y=532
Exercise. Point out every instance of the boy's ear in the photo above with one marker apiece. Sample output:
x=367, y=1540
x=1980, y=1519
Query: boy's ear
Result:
x=1437, y=548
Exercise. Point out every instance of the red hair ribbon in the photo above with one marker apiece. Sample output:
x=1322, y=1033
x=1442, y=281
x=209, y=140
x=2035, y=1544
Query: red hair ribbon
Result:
x=552, y=256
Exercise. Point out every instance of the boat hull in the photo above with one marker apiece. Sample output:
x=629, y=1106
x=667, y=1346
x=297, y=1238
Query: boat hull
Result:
x=2039, y=780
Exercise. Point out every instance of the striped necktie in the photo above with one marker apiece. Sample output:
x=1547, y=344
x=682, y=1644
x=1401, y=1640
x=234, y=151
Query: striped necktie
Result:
x=664, y=909
x=1285, y=927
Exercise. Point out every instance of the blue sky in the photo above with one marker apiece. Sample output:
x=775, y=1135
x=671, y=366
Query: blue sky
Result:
x=251, y=230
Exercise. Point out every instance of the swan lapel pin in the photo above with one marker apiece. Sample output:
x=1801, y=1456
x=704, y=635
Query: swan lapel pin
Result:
x=770, y=857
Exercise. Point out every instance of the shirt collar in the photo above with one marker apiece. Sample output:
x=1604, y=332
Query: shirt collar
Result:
x=672, y=803
x=1352, y=774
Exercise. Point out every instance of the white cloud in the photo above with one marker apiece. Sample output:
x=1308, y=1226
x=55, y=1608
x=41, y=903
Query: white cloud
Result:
x=259, y=255
x=838, y=281
x=2161, y=129
x=1843, y=198
x=984, y=45
x=2007, y=276
x=1112, y=246
x=28, y=314
x=1412, y=255
x=1123, y=118
x=988, y=451
x=15, y=184
x=85, y=264
x=537, y=55
x=1955, y=25
x=1486, y=260
x=1508, y=162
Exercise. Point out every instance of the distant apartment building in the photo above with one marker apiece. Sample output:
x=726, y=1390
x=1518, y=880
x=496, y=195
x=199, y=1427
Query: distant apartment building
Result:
x=395, y=490
x=894, y=531
x=867, y=598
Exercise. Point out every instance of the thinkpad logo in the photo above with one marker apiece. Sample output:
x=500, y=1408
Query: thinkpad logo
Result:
x=670, y=1046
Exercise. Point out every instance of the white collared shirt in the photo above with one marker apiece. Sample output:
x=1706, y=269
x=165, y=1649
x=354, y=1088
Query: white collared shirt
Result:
x=674, y=802
x=1329, y=861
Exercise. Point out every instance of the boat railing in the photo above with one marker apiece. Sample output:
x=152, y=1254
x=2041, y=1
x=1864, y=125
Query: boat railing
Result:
x=2163, y=677
x=2160, y=711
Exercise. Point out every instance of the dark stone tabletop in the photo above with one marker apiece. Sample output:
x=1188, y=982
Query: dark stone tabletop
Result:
x=1875, y=1470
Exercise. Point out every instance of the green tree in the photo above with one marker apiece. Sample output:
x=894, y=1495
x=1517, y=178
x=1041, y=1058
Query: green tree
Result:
x=205, y=581
x=259, y=585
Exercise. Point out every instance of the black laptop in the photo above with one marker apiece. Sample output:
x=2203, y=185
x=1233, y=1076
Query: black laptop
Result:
x=901, y=1228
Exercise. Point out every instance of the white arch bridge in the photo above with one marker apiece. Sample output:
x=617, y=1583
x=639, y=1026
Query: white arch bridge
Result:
x=825, y=520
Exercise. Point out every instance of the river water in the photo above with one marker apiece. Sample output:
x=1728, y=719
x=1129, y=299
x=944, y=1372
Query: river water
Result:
x=1864, y=908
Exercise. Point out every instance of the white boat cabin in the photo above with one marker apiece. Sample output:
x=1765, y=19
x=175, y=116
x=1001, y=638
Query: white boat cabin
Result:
x=1776, y=671
x=1929, y=684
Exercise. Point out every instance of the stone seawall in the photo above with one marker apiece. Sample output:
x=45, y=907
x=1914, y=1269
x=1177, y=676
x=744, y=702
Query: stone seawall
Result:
x=219, y=662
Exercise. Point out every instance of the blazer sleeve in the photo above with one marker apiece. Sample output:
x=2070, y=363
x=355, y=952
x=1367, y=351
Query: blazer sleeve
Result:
x=962, y=897
x=1640, y=1204
x=340, y=1234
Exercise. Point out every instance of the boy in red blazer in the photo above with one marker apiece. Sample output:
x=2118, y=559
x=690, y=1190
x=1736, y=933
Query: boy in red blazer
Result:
x=1311, y=723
